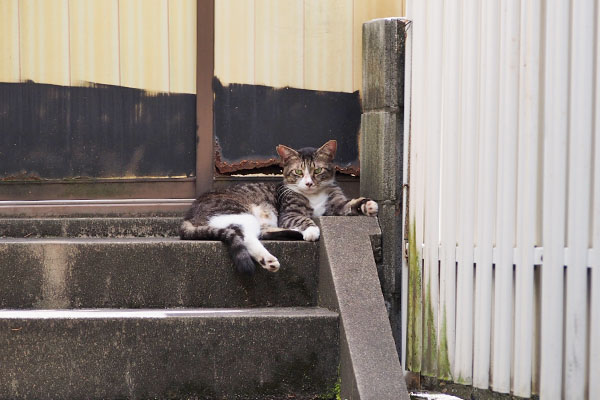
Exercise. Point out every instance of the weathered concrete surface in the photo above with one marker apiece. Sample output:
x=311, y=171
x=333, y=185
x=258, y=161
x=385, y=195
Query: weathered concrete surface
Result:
x=382, y=143
x=88, y=208
x=381, y=155
x=224, y=354
x=148, y=273
x=89, y=227
x=348, y=283
x=383, y=64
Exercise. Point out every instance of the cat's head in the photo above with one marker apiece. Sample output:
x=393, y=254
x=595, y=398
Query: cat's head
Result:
x=308, y=170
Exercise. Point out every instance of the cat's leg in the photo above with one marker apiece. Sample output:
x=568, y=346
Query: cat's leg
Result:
x=299, y=222
x=275, y=233
x=267, y=217
x=340, y=205
x=250, y=228
x=363, y=206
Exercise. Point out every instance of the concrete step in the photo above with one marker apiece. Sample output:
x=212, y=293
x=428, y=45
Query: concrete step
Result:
x=149, y=273
x=216, y=353
x=90, y=227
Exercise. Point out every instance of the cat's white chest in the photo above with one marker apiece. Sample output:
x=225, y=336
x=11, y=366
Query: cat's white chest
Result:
x=318, y=202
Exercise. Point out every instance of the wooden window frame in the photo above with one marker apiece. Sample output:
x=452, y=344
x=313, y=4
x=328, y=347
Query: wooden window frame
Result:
x=205, y=66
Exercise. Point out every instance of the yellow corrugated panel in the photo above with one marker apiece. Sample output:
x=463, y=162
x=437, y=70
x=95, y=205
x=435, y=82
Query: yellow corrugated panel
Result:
x=94, y=33
x=234, y=41
x=182, y=45
x=279, y=43
x=365, y=10
x=328, y=45
x=9, y=41
x=44, y=41
x=144, y=44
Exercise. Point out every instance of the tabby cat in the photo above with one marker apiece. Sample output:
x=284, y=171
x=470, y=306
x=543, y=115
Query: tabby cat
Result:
x=243, y=214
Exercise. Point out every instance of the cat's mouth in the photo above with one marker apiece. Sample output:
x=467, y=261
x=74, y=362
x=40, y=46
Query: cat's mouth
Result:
x=309, y=189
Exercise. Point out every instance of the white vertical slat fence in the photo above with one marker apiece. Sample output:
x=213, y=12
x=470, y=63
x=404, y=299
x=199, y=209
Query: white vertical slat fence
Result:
x=467, y=188
x=506, y=196
x=449, y=179
x=556, y=84
x=594, y=370
x=503, y=286
x=486, y=181
x=431, y=275
x=579, y=193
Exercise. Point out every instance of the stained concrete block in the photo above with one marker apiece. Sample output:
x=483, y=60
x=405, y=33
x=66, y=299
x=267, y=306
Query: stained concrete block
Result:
x=383, y=64
x=381, y=155
x=390, y=220
x=204, y=354
x=90, y=227
x=149, y=272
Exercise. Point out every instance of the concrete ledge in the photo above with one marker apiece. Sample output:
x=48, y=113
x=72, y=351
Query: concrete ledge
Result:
x=348, y=283
x=204, y=354
x=149, y=273
x=89, y=227
x=94, y=208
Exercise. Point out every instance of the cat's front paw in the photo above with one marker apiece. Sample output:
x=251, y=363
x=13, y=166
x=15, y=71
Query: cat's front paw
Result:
x=311, y=234
x=369, y=208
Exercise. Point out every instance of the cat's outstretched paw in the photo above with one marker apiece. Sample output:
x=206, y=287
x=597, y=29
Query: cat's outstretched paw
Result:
x=369, y=208
x=311, y=234
x=270, y=263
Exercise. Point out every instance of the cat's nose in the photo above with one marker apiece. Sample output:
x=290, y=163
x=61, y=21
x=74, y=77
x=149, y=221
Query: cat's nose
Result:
x=309, y=184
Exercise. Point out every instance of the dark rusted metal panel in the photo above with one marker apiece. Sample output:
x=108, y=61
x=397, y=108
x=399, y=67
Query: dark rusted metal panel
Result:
x=99, y=131
x=251, y=120
x=204, y=95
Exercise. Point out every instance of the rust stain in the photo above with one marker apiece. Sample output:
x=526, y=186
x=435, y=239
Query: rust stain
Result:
x=20, y=177
x=225, y=167
x=350, y=170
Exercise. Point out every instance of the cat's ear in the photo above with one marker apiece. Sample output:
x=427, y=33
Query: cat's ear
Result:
x=328, y=149
x=286, y=153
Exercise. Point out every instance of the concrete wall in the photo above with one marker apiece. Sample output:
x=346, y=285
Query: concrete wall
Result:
x=381, y=157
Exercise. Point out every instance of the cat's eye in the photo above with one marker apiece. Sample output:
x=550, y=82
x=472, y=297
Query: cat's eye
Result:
x=298, y=172
x=318, y=170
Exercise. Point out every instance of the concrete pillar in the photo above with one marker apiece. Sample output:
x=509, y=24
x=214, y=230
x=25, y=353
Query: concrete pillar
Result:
x=381, y=148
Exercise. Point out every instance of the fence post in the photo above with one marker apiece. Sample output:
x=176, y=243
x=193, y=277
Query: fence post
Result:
x=381, y=144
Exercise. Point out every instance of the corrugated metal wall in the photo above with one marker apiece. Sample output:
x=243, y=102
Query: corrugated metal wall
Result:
x=151, y=44
x=503, y=283
x=307, y=44
x=145, y=44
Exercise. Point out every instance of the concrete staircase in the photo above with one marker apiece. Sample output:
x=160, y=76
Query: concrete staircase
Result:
x=121, y=308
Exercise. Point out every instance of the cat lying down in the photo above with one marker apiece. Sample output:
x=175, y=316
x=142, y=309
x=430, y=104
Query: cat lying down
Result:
x=243, y=214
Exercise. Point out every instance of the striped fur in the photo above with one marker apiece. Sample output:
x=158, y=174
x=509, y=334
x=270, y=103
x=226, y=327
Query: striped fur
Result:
x=242, y=214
